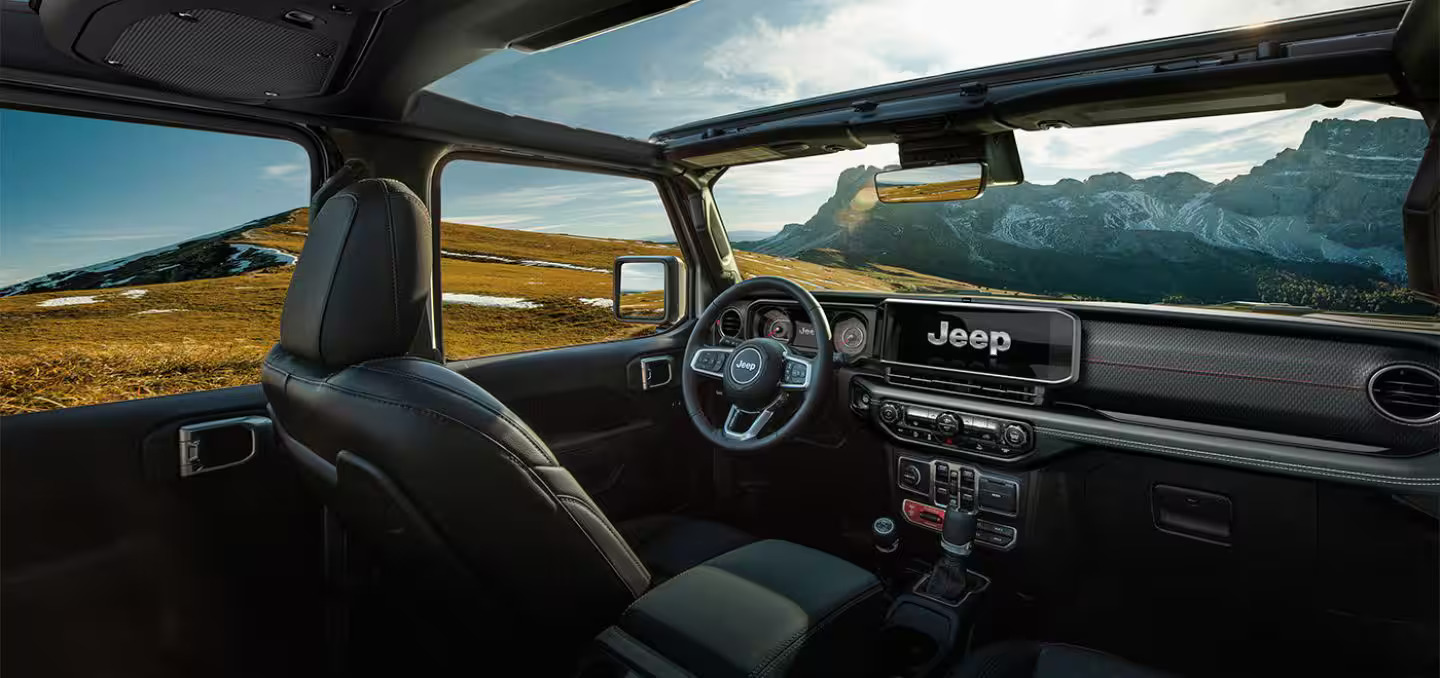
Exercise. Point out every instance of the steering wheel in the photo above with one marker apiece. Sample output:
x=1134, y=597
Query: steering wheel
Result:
x=759, y=375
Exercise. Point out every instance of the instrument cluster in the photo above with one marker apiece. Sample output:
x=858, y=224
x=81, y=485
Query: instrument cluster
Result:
x=849, y=330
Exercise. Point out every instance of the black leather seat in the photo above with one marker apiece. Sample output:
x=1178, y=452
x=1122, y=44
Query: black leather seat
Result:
x=452, y=488
x=1047, y=660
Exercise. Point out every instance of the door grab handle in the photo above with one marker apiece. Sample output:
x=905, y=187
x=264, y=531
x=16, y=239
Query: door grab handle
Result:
x=192, y=439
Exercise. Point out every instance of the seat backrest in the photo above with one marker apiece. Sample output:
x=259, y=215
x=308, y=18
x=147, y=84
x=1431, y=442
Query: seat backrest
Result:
x=431, y=468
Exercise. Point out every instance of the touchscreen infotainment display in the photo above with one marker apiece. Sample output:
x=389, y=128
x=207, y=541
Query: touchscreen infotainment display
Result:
x=1038, y=344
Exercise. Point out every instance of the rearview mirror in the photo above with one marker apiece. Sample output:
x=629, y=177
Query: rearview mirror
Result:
x=941, y=183
x=649, y=289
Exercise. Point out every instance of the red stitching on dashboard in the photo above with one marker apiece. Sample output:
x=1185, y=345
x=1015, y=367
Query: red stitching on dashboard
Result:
x=1227, y=375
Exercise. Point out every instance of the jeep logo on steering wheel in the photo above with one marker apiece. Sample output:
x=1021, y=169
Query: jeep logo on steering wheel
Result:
x=746, y=366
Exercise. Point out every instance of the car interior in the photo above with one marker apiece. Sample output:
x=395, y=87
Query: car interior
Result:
x=767, y=478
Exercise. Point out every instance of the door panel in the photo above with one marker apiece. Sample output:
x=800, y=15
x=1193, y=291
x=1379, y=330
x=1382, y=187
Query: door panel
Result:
x=114, y=565
x=633, y=449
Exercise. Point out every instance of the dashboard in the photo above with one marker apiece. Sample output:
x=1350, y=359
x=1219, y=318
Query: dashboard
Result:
x=1016, y=382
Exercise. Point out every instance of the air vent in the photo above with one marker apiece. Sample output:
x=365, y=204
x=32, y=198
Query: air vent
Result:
x=1407, y=393
x=1025, y=395
x=730, y=323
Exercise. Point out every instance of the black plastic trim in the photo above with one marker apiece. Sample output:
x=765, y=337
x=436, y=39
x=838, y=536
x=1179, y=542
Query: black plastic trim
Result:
x=1412, y=474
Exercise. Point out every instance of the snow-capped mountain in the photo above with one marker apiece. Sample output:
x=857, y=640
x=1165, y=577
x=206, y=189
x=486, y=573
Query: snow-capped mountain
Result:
x=1329, y=210
x=208, y=256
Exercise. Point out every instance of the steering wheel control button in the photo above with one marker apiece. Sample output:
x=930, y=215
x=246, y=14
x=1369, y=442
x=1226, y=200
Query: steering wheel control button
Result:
x=797, y=374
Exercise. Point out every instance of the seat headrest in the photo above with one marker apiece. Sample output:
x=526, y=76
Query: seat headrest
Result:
x=360, y=289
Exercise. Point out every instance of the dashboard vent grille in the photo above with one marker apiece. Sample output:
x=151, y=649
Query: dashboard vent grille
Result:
x=1407, y=393
x=730, y=323
x=1025, y=395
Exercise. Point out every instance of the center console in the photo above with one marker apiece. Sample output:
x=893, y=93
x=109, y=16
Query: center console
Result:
x=771, y=608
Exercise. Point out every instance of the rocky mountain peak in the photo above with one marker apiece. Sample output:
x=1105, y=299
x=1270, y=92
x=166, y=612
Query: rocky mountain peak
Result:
x=1328, y=210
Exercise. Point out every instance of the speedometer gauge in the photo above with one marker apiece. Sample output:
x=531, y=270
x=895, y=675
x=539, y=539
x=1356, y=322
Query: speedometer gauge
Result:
x=777, y=326
x=850, y=336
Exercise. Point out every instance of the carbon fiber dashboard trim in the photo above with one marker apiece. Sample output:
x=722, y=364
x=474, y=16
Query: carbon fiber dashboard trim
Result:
x=1308, y=386
x=1055, y=429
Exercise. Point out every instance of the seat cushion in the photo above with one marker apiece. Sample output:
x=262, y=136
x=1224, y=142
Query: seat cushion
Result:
x=1047, y=660
x=669, y=545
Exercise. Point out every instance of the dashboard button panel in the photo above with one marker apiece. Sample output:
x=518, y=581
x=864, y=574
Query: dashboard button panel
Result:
x=987, y=533
x=960, y=431
x=942, y=481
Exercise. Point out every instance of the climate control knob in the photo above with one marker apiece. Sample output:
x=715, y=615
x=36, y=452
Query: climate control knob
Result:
x=1015, y=435
x=890, y=413
x=947, y=423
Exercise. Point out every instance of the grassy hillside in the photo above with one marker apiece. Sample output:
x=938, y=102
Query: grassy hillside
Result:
x=505, y=291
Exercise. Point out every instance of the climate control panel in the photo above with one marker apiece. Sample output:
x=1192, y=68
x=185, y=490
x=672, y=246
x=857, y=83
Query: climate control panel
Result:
x=953, y=430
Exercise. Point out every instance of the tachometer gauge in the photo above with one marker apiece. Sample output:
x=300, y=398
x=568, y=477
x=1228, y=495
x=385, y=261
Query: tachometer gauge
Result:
x=850, y=336
x=777, y=326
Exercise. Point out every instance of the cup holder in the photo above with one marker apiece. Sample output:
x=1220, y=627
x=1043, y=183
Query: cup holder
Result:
x=906, y=651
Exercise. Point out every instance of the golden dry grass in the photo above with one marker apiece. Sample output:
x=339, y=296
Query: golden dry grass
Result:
x=964, y=189
x=214, y=333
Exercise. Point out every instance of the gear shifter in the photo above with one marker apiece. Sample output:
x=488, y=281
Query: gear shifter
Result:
x=948, y=580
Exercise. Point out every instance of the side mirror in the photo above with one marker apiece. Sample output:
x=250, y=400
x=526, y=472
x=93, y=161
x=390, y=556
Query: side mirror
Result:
x=649, y=289
x=940, y=183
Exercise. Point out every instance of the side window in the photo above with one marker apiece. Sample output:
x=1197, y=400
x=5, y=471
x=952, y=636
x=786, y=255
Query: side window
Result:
x=140, y=260
x=527, y=254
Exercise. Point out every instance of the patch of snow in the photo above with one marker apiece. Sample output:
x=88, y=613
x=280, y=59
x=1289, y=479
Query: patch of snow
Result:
x=240, y=264
x=134, y=294
x=599, y=302
x=69, y=301
x=522, y=262
x=149, y=311
x=553, y=264
x=481, y=257
x=483, y=300
x=1372, y=157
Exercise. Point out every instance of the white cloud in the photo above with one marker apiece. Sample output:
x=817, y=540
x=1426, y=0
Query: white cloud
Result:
x=294, y=173
x=858, y=43
x=1214, y=148
x=108, y=236
x=493, y=219
x=281, y=171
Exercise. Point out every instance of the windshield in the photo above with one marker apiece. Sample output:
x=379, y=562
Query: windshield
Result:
x=719, y=57
x=1301, y=208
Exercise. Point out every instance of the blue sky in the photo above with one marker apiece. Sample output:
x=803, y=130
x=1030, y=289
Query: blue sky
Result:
x=76, y=192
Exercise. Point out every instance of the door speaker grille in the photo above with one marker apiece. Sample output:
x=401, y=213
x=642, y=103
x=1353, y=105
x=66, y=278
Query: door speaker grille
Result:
x=224, y=55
